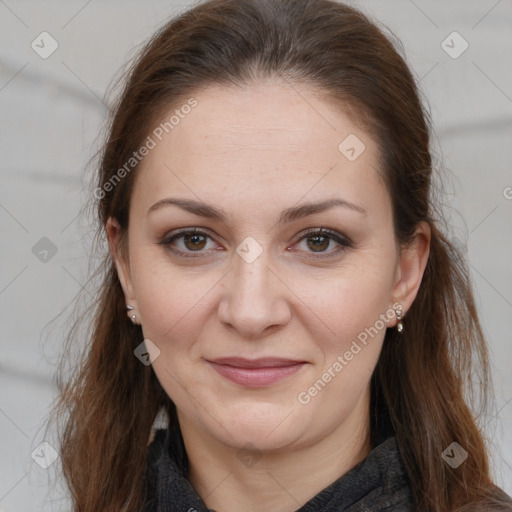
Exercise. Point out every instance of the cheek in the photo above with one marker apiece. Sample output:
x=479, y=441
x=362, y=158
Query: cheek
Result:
x=168, y=304
x=349, y=302
x=172, y=301
x=355, y=310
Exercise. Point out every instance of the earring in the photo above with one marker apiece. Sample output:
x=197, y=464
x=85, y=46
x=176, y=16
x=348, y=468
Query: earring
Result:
x=132, y=317
x=400, y=324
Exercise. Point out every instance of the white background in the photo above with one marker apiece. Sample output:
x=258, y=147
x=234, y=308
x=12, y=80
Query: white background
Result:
x=51, y=114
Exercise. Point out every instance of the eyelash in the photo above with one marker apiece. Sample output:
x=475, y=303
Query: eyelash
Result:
x=343, y=242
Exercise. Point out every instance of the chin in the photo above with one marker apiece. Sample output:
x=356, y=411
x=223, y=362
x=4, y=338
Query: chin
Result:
x=267, y=430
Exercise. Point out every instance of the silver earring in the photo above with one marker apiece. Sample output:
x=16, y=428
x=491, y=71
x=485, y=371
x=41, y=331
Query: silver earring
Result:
x=400, y=324
x=132, y=317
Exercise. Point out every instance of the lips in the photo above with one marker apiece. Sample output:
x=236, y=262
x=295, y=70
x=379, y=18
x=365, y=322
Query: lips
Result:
x=256, y=372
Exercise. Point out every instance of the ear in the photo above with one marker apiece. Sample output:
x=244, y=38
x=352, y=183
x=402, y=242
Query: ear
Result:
x=411, y=266
x=120, y=256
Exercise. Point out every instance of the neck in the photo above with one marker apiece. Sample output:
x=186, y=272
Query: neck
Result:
x=278, y=480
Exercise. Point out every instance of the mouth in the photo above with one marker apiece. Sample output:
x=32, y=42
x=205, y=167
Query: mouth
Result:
x=256, y=372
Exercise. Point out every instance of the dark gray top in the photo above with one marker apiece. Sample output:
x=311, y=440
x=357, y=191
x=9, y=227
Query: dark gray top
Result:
x=378, y=483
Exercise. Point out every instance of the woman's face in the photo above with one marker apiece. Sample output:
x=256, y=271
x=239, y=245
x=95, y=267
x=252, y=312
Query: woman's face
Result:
x=258, y=171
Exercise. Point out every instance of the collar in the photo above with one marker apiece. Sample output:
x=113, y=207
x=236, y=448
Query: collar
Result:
x=379, y=482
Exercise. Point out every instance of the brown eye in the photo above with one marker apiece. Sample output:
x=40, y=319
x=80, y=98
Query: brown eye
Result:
x=194, y=242
x=323, y=243
x=191, y=243
x=318, y=243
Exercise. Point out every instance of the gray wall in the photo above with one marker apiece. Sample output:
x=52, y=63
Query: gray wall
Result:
x=51, y=113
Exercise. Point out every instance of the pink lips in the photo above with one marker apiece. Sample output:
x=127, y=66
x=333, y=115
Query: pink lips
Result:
x=256, y=372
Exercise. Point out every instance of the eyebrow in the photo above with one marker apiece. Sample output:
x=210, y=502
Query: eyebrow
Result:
x=296, y=212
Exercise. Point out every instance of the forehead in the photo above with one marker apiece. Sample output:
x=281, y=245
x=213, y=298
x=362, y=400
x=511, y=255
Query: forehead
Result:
x=265, y=115
x=249, y=140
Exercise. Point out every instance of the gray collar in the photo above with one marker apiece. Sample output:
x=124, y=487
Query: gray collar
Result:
x=377, y=483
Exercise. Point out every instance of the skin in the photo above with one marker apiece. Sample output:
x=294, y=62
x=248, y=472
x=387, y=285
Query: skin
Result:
x=254, y=152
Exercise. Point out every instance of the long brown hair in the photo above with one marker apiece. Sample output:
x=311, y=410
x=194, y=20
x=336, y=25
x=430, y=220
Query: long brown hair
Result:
x=423, y=379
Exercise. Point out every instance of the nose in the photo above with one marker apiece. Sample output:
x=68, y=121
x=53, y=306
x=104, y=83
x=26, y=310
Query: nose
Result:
x=255, y=300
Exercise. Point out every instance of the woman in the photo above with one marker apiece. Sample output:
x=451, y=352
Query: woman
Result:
x=278, y=284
